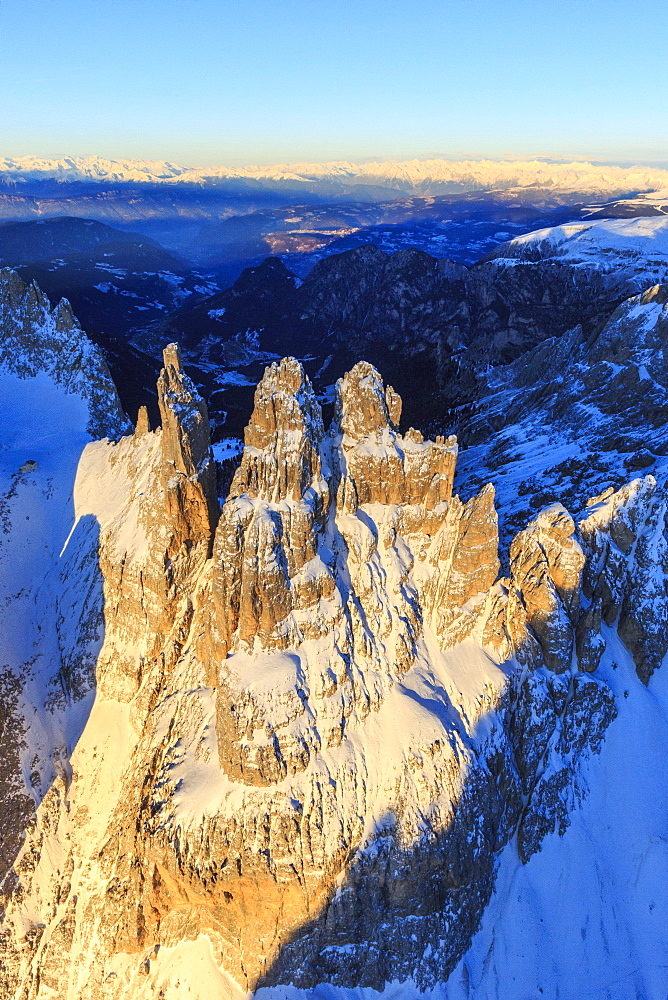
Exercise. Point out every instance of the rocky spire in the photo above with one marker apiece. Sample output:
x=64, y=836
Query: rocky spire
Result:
x=151, y=566
x=282, y=459
x=186, y=441
x=376, y=464
x=546, y=562
x=185, y=422
x=143, y=424
x=276, y=509
x=464, y=563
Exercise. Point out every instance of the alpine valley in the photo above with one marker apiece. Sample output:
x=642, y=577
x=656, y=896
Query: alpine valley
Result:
x=333, y=582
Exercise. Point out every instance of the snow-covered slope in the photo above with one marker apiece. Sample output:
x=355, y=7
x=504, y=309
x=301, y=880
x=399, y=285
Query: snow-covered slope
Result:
x=585, y=918
x=424, y=177
x=55, y=394
x=606, y=244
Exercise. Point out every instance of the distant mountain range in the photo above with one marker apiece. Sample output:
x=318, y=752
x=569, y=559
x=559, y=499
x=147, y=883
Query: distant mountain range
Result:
x=411, y=177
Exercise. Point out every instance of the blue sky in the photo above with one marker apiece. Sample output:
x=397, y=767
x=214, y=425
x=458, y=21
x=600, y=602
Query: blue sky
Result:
x=266, y=81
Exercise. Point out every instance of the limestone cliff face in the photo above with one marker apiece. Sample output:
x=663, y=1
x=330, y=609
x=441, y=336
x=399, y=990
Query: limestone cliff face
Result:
x=153, y=495
x=327, y=712
x=315, y=568
x=546, y=562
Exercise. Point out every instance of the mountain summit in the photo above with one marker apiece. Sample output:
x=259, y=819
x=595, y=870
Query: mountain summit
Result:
x=309, y=737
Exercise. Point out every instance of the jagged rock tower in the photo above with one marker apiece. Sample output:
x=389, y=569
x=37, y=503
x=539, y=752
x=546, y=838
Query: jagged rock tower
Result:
x=320, y=715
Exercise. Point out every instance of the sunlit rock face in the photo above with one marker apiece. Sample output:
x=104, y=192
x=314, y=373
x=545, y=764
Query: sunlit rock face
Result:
x=153, y=497
x=546, y=561
x=320, y=715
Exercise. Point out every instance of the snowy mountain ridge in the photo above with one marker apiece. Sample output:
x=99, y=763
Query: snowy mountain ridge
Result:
x=602, y=242
x=38, y=340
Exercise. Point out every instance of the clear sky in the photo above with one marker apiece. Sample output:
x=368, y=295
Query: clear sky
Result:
x=263, y=81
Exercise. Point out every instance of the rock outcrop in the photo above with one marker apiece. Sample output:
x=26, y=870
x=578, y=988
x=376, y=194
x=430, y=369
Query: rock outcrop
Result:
x=157, y=536
x=546, y=562
x=627, y=568
x=330, y=714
